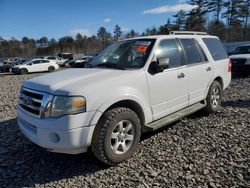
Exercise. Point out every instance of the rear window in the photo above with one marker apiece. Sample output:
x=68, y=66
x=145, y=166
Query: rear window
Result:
x=216, y=48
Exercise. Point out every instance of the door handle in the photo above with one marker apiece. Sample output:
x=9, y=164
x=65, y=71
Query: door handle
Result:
x=208, y=69
x=181, y=75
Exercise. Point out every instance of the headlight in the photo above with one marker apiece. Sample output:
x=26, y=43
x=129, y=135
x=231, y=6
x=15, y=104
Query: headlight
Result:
x=67, y=105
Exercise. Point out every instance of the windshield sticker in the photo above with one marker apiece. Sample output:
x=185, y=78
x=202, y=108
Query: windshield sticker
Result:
x=142, y=49
x=142, y=43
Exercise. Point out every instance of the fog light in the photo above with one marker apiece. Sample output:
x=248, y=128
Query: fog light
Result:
x=54, y=137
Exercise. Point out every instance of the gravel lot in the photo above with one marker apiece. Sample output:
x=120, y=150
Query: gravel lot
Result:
x=200, y=150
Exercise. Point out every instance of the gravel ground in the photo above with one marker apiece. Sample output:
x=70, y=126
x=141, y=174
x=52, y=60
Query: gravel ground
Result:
x=200, y=150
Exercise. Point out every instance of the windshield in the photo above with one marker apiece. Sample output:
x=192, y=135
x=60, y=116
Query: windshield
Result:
x=242, y=50
x=124, y=54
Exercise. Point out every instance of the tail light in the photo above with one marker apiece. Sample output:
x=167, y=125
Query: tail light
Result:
x=229, y=69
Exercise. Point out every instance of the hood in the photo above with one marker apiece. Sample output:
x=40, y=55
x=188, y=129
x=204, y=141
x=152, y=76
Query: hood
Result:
x=72, y=81
x=240, y=56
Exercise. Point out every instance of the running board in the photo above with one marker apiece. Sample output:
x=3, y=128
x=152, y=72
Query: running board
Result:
x=173, y=117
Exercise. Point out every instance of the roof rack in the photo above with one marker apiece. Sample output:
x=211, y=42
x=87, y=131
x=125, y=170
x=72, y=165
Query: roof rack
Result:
x=187, y=33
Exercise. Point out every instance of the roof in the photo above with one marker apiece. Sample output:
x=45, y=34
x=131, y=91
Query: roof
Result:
x=172, y=36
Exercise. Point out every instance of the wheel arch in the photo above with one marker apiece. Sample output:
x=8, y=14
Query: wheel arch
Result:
x=127, y=103
x=220, y=80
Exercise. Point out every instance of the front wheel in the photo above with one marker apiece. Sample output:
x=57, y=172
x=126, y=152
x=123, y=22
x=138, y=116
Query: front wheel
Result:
x=51, y=69
x=116, y=136
x=23, y=71
x=214, y=96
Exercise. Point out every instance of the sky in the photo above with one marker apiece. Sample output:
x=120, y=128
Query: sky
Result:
x=58, y=18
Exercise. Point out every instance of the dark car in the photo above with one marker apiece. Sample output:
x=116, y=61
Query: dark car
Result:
x=241, y=60
x=81, y=62
x=7, y=67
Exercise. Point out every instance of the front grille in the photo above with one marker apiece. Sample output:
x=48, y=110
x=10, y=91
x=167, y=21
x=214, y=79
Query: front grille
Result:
x=31, y=101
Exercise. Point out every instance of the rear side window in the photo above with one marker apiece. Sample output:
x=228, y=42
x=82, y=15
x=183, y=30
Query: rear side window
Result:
x=191, y=50
x=170, y=49
x=51, y=58
x=216, y=48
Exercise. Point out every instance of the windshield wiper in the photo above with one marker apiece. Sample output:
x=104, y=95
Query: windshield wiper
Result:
x=110, y=65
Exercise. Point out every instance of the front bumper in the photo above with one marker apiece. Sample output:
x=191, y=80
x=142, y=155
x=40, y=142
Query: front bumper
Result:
x=52, y=135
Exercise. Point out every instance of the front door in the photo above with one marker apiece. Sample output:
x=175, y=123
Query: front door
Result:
x=169, y=89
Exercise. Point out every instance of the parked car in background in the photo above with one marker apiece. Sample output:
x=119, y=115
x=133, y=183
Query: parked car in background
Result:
x=132, y=87
x=6, y=67
x=7, y=61
x=35, y=65
x=81, y=62
x=241, y=60
x=58, y=60
x=67, y=56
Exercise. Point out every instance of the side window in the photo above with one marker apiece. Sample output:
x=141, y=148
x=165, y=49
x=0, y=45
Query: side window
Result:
x=44, y=61
x=191, y=50
x=170, y=49
x=52, y=58
x=216, y=48
x=36, y=62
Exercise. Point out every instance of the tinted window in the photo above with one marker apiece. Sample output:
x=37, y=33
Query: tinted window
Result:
x=242, y=50
x=51, y=58
x=191, y=50
x=36, y=62
x=170, y=49
x=44, y=61
x=216, y=48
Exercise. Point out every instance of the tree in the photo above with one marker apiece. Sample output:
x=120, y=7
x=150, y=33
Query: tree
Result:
x=131, y=34
x=151, y=31
x=43, y=42
x=165, y=29
x=180, y=20
x=196, y=17
x=217, y=28
x=232, y=14
x=117, y=32
x=104, y=36
x=216, y=6
x=245, y=14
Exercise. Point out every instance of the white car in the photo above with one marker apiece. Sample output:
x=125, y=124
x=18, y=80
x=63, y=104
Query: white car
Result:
x=35, y=65
x=58, y=60
x=133, y=86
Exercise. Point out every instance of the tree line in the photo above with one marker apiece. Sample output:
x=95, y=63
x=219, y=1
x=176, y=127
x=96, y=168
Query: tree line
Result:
x=227, y=19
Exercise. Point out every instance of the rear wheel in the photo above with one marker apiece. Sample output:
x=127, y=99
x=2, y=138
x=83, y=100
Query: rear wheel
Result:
x=214, y=97
x=116, y=136
x=23, y=71
x=51, y=69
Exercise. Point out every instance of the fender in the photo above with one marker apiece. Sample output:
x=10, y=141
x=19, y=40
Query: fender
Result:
x=111, y=101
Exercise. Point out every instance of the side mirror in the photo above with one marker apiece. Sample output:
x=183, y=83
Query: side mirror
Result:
x=159, y=66
x=29, y=64
x=163, y=63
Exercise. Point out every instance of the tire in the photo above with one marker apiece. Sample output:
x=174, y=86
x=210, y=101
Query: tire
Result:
x=23, y=71
x=213, y=99
x=51, y=69
x=124, y=142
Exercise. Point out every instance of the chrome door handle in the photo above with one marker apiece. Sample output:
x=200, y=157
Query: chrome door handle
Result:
x=208, y=69
x=181, y=75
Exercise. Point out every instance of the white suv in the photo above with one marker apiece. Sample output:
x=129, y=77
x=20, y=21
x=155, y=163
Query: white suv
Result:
x=133, y=86
x=35, y=65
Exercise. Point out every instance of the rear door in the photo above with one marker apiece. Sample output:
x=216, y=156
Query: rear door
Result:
x=44, y=66
x=35, y=66
x=169, y=89
x=199, y=70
